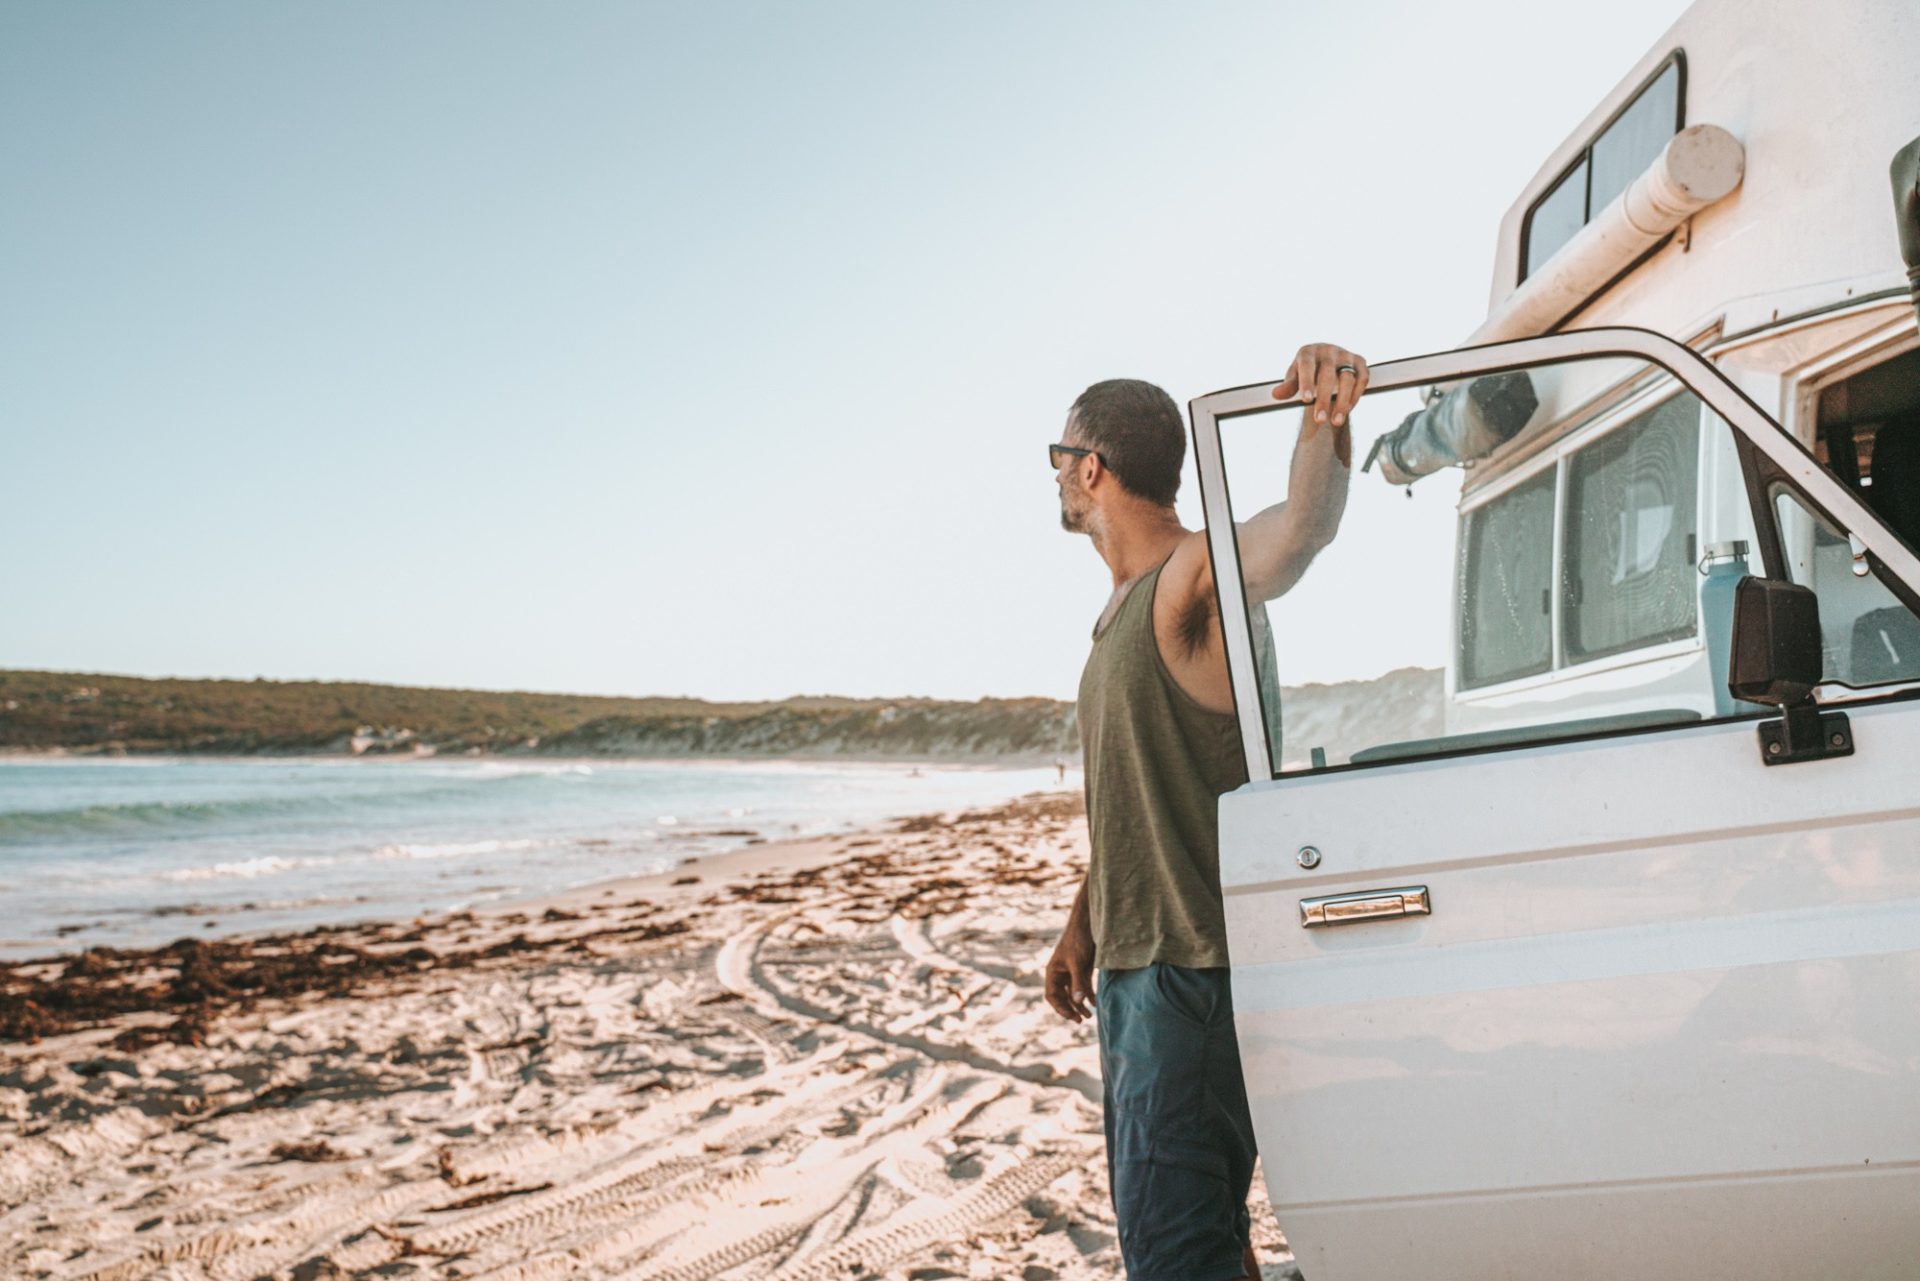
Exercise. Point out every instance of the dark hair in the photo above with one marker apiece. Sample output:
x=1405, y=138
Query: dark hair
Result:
x=1137, y=429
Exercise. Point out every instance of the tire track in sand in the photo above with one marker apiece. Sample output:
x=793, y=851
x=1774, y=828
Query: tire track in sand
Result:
x=313, y=1218
x=915, y=937
x=739, y=971
x=639, y=1178
x=787, y=1198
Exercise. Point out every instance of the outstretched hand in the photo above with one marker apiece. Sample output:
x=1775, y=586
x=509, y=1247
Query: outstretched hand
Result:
x=1328, y=381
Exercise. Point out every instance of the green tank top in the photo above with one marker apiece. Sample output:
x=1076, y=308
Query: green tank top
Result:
x=1157, y=763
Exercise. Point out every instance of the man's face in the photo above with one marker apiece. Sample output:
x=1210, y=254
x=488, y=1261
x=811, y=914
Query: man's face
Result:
x=1075, y=502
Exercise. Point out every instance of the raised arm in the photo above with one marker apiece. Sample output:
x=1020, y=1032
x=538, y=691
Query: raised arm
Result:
x=1278, y=543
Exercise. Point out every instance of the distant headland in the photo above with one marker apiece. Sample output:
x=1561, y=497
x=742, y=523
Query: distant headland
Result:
x=88, y=714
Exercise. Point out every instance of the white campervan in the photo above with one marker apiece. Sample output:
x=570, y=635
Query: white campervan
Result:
x=1584, y=939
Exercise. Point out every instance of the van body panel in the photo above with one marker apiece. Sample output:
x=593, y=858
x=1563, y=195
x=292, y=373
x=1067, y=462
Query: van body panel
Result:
x=1783, y=1229
x=1662, y=1013
x=1657, y=975
x=1635, y=989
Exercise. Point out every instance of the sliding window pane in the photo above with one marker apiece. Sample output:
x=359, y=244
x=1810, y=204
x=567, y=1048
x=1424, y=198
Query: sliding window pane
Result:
x=1636, y=139
x=1631, y=523
x=1505, y=624
x=1559, y=215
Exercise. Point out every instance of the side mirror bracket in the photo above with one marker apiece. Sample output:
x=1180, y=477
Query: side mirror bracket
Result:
x=1777, y=660
x=1805, y=733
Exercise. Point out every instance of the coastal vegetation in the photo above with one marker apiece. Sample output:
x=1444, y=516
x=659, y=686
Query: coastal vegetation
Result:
x=99, y=714
x=93, y=714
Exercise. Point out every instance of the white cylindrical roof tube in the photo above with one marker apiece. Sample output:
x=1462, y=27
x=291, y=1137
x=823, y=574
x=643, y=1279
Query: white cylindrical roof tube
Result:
x=1702, y=165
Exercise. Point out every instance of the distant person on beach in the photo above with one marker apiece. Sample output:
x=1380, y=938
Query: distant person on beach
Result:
x=1161, y=745
x=1060, y=768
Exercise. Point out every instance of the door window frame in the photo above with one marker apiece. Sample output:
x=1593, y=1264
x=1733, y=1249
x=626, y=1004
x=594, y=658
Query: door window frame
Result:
x=1876, y=346
x=1767, y=450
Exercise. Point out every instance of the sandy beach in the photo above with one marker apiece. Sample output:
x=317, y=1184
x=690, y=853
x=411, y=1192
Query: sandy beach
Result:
x=821, y=1059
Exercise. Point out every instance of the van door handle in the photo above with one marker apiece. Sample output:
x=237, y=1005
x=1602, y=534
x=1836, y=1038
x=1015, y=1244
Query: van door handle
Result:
x=1368, y=905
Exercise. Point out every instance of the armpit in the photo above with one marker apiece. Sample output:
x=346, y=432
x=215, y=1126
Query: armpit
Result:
x=1193, y=628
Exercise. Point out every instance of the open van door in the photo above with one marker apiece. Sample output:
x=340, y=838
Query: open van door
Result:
x=1549, y=961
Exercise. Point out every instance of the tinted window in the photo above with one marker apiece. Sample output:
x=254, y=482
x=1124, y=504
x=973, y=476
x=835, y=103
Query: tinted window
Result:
x=1505, y=624
x=1560, y=213
x=1630, y=578
x=1631, y=143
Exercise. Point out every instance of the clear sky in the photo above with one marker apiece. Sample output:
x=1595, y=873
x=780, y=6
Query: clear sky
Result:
x=698, y=348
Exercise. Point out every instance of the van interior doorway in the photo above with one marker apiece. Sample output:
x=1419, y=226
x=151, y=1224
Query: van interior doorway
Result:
x=1869, y=436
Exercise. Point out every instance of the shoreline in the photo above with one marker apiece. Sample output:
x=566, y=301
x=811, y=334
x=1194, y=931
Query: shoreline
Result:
x=721, y=868
x=213, y=877
x=824, y=1057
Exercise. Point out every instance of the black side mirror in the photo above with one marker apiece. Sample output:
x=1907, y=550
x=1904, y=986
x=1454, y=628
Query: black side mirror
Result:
x=1777, y=659
x=1776, y=642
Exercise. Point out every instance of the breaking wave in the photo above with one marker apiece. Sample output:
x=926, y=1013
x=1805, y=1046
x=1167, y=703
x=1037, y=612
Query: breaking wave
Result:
x=247, y=868
x=454, y=849
x=136, y=818
x=274, y=864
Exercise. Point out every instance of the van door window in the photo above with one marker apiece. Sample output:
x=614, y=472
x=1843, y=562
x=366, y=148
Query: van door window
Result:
x=1867, y=635
x=1427, y=624
x=1629, y=573
x=1618, y=460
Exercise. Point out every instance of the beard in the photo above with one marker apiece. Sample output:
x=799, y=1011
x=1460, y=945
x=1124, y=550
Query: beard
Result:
x=1072, y=520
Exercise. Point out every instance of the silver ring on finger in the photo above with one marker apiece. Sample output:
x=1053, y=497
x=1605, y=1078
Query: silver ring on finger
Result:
x=1347, y=369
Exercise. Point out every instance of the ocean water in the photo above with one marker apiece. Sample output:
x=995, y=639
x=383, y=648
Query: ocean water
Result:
x=140, y=851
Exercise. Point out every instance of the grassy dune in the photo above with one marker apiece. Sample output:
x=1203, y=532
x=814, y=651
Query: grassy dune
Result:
x=83, y=712
x=110, y=714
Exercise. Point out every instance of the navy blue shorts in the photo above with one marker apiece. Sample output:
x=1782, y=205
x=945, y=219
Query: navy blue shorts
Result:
x=1179, y=1139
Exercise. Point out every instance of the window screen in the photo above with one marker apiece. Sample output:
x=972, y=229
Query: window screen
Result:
x=1505, y=626
x=1629, y=576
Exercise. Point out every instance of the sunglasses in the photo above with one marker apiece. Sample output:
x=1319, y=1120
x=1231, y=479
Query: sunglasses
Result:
x=1057, y=452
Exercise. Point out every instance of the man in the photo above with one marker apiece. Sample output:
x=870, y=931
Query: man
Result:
x=1162, y=745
